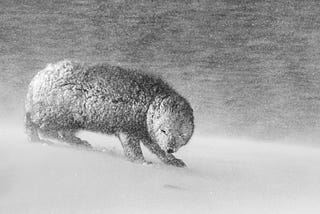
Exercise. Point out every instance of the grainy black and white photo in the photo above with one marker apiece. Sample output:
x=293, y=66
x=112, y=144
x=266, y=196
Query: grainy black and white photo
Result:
x=180, y=106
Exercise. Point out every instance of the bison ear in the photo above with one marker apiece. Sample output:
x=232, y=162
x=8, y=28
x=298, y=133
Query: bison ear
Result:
x=170, y=103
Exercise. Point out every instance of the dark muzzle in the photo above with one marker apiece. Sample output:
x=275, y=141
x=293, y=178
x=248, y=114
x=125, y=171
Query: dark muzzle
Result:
x=170, y=151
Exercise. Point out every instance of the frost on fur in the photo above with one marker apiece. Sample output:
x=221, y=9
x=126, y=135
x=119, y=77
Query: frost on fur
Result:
x=67, y=97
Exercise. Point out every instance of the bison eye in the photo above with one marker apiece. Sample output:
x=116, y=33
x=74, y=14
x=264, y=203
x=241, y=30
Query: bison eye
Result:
x=182, y=135
x=163, y=131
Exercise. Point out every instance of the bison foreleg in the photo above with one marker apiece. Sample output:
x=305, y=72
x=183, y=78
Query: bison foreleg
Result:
x=131, y=147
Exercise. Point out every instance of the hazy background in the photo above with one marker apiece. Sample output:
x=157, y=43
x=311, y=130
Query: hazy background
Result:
x=249, y=68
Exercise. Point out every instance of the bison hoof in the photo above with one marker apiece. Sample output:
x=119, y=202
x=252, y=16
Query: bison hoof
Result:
x=176, y=162
x=83, y=143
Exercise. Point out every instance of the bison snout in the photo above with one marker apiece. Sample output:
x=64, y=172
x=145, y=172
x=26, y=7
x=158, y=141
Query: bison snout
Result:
x=170, y=151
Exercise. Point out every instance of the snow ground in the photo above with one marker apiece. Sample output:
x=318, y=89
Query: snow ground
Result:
x=223, y=176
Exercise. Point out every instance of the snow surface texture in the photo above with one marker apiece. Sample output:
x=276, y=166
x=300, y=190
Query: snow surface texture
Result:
x=223, y=176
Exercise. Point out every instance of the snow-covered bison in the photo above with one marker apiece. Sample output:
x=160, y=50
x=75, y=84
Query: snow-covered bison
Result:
x=136, y=107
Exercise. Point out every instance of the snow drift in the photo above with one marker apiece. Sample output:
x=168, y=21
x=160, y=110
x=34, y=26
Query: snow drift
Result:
x=223, y=176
